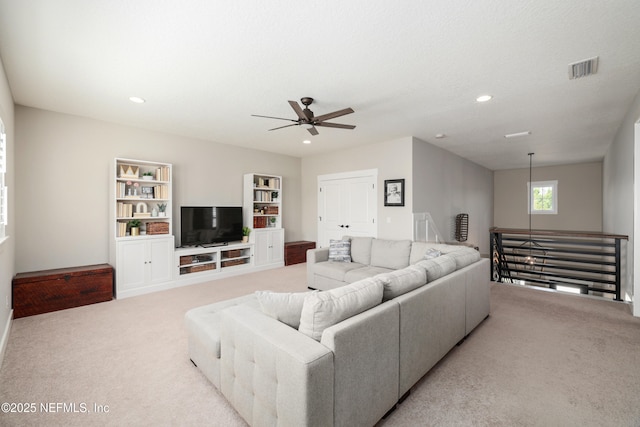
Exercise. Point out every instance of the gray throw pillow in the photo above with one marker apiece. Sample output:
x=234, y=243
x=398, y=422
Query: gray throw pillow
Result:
x=285, y=307
x=432, y=253
x=340, y=250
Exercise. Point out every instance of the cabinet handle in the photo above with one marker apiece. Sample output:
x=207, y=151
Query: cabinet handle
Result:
x=346, y=226
x=341, y=226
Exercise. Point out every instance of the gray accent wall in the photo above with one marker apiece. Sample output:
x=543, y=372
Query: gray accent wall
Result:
x=446, y=185
x=64, y=164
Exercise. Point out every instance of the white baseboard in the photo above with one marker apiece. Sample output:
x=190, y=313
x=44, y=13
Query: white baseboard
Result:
x=5, y=337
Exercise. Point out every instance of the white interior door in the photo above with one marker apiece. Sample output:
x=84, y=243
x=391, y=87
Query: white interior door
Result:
x=347, y=205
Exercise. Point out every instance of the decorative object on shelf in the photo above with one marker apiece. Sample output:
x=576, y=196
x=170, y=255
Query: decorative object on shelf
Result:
x=134, y=227
x=157, y=228
x=129, y=172
x=394, y=192
x=154, y=213
x=274, y=196
x=146, y=192
x=272, y=221
x=245, y=234
x=147, y=175
x=161, y=209
x=141, y=211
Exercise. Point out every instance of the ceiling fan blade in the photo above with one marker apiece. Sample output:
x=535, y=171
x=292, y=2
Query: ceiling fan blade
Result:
x=313, y=131
x=286, y=126
x=335, y=125
x=270, y=117
x=334, y=114
x=298, y=110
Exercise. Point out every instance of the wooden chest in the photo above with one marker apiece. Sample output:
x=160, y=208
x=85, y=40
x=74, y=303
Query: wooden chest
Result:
x=51, y=290
x=296, y=252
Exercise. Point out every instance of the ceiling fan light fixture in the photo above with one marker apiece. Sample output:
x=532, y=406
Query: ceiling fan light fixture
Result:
x=307, y=125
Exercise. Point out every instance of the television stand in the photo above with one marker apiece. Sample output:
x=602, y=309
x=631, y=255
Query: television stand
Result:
x=199, y=264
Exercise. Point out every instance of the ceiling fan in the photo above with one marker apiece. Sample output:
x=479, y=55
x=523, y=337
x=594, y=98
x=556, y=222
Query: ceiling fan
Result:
x=308, y=120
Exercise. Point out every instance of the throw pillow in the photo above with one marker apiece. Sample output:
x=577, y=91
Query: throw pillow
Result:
x=285, y=307
x=324, y=309
x=400, y=282
x=432, y=253
x=340, y=250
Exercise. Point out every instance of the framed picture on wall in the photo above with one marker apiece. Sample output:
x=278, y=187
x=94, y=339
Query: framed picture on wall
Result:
x=394, y=192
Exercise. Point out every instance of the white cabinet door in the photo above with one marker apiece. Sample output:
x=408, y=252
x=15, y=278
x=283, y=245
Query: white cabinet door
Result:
x=269, y=246
x=143, y=263
x=160, y=260
x=131, y=271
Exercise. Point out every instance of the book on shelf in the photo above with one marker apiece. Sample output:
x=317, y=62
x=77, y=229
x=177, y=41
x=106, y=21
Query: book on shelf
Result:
x=162, y=173
x=125, y=209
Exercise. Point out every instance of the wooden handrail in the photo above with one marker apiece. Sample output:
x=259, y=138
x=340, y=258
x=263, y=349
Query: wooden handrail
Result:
x=567, y=233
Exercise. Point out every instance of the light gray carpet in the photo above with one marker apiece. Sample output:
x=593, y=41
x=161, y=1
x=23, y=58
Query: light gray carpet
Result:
x=539, y=360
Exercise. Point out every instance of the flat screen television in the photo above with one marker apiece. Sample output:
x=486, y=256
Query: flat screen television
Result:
x=210, y=225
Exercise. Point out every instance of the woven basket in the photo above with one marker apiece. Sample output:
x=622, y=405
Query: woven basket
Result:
x=234, y=253
x=233, y=262
x=203, y=267
x=157, y=228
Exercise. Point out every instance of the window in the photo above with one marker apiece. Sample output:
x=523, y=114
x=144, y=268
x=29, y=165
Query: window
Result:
x=4, y=210
x=543, y=197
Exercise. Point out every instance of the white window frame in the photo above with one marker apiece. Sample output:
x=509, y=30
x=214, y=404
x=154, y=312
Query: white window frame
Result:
x=533, y=184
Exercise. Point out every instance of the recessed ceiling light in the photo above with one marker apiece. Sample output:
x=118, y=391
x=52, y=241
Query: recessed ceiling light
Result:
x=517, y=134
x=484, y=98
x=137, y=99
x=306, y=141
x=440, y=135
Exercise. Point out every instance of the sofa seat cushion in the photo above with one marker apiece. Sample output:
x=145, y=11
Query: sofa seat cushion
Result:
x=285, y=307
x=400, y=282
x=464, y=257
x=204, y=322
x=363, y=273
x=392, y=254
x=335, y=270
x=438, y=267
x=324, y=309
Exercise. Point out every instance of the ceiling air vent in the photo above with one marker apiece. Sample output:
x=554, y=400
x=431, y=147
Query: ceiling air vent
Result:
x=583, y=68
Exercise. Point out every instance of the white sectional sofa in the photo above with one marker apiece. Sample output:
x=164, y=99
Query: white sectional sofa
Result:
x=342, y=357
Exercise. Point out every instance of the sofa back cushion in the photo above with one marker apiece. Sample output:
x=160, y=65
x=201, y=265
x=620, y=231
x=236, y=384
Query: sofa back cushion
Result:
x=360, y=249
x=438, y=267
x=400, y=282
x=323, y=309
x=464, y=257
x=392, y=254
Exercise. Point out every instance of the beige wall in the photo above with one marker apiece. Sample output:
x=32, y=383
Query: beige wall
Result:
x=64, y=164
x=393, y=161
x=579, y=197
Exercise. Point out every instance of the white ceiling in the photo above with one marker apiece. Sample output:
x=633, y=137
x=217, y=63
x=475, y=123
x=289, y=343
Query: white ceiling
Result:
x=407, y=68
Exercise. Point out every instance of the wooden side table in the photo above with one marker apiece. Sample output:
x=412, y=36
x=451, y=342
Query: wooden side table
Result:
x=296, y=252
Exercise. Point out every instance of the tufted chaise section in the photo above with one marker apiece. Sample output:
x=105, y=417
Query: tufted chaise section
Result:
x=268, y=368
